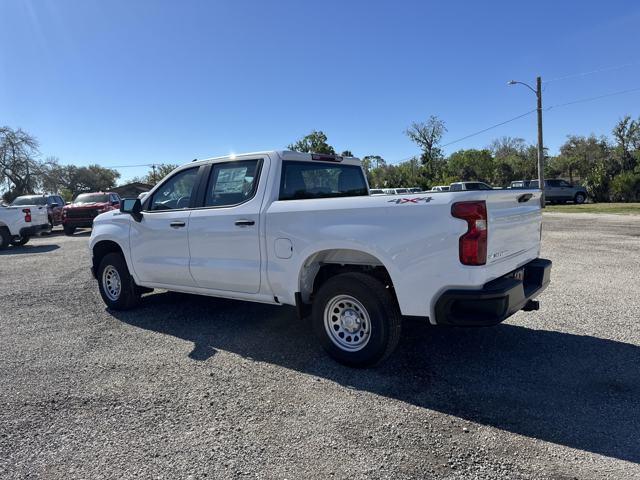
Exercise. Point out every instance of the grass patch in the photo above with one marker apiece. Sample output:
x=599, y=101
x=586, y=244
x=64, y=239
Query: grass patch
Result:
x=619, y=208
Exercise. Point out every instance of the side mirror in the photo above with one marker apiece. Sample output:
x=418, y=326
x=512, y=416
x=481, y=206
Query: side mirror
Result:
x=133, y=207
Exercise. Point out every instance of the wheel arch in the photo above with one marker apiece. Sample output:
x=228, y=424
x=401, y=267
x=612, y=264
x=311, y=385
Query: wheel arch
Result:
x=321, y=265
x=102, y=248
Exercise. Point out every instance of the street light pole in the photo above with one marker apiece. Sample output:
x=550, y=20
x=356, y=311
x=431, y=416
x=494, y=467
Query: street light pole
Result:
x=540, y=144
x=538, y=93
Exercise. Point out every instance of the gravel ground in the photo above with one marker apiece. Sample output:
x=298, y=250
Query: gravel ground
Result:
x=191, y=387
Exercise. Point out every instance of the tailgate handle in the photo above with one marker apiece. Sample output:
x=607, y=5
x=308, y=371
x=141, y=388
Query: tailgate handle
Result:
x=524, y=197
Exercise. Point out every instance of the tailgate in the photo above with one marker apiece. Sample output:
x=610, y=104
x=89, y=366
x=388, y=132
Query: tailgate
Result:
x=515, y=220
x=39, y=215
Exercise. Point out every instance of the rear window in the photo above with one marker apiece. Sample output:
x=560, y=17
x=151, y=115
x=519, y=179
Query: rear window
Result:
x=302, y=180
x=92, y=198
x=30, y=200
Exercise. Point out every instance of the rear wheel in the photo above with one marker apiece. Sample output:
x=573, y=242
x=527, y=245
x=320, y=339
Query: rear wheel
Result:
x=117, y=288
x=356, y=319
x=579, y=198
x=69, y=230
x=5, y=237
x=19, y=241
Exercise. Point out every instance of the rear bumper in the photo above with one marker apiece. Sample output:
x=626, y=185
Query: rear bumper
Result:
x=496, y=300
x=33, y=230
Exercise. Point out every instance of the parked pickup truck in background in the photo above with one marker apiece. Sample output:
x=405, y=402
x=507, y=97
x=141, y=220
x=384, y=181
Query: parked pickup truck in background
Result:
x=301, y=229
x=54, y=204
x=555, y=190
x=85, y=208
x=19, y=223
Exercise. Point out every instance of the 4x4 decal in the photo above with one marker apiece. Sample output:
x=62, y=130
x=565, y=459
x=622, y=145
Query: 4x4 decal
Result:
x=400, y=201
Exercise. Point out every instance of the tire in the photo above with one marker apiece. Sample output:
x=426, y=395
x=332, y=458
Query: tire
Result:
x=117, y=288
x=19, y=241
x=339, y=317
x=5, y=238
x=579, y=198
x=69, y=230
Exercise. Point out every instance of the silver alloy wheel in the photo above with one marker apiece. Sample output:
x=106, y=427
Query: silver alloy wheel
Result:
x=111, y=283
x=347, y=323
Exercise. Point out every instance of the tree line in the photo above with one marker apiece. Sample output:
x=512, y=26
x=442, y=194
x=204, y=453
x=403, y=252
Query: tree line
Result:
x=23, y=171
x=609, y=167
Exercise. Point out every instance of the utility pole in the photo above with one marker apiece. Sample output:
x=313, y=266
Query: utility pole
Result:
x=540, y=144
x=538, y=93
x=153, y=167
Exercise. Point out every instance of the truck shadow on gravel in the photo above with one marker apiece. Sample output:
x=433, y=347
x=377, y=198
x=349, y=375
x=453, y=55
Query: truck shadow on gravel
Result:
x=578, y=391
x=28, y=249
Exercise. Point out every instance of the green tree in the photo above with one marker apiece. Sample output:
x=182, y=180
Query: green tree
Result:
x=19, y=166
x=156, y=173
x=627, y=136
x=428, y=135
x=315, y=142
x=520, y=157
x=625, y=187
x=472, y=165
x=579, y=155
x=75, y=180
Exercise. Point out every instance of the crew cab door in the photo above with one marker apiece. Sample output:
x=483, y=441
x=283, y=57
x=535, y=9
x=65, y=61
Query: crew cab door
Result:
x=224, y=233
x=160, y=241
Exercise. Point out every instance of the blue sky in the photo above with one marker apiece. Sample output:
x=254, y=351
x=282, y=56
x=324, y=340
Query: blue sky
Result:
x=131, y=82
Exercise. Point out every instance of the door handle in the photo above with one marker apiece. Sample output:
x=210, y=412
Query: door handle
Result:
x=177, y=224
x=245, y=223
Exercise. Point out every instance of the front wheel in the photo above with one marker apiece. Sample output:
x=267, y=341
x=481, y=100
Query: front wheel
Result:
x=356, y=319
x=69, y=230
x=117, y=288
x=579, y=198
x=19, y=241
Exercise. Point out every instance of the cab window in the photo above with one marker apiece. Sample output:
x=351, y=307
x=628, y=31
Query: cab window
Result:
x=232, y=183
x=176, y=192
x=304, y=180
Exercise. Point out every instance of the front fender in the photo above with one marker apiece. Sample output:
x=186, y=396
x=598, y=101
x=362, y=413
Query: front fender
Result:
x=114, y=228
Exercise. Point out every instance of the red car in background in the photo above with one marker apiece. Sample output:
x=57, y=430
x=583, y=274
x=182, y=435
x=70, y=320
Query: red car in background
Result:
x=86, y=207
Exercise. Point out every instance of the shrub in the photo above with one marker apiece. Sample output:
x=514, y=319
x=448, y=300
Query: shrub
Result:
x=625, y=187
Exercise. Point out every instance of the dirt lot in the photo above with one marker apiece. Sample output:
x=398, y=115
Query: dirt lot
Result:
x=190, y=387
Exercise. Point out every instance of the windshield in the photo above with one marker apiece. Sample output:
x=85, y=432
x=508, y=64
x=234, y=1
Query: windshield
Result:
x=30, y=200
x=92, y=198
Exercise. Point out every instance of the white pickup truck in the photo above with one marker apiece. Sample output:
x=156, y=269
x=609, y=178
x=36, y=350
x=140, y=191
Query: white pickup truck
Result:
x=19, y=223
x=301, y=229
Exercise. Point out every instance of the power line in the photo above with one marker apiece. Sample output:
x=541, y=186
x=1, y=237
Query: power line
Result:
x=474, y=134
x=559, y=105
x=591, y=72
x=590, y=99
x=489, y=128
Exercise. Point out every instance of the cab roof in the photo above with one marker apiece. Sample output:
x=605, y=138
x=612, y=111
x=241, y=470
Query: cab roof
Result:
x=286, y=155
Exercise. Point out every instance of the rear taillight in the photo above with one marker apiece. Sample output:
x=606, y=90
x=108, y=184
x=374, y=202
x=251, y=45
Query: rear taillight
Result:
x=473, y=244
x=27, y=214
